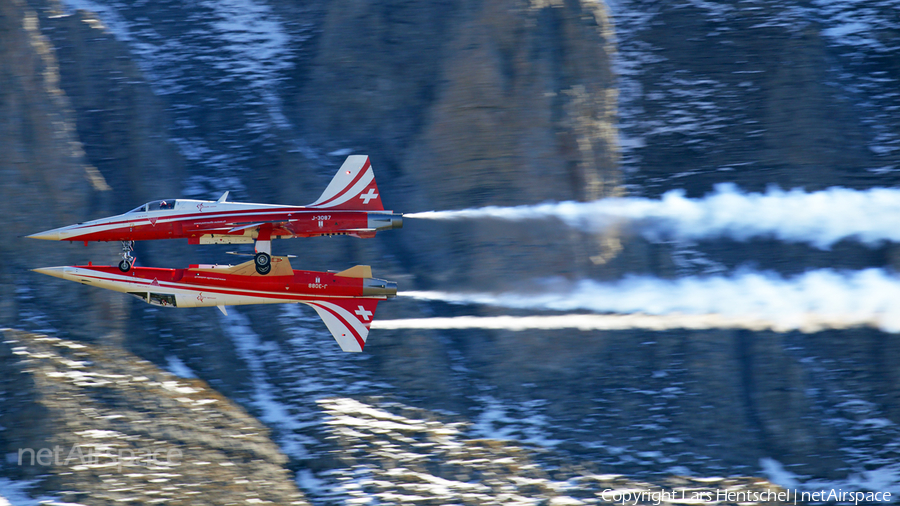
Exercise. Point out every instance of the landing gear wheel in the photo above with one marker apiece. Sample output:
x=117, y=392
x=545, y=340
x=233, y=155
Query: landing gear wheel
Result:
x=127, y=259
x=263, y=263
x=262, y=259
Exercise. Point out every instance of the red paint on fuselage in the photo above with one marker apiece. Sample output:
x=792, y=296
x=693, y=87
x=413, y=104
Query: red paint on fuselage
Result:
x=302, y=285
x=292, y=222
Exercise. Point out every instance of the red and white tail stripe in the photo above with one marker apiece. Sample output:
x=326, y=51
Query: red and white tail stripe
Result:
x=353, y=187
x=348, y=320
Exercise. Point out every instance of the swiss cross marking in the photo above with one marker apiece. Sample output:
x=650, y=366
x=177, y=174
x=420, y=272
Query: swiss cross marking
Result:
x=368, y=196
x=363, y=313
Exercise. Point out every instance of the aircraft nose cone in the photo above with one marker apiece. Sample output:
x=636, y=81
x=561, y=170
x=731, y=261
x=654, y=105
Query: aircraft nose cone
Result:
x=49, y=235
x=56, y=272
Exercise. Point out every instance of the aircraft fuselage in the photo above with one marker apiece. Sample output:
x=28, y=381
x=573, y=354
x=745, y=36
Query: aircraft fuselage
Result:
x=346, y=301
x=210, y=222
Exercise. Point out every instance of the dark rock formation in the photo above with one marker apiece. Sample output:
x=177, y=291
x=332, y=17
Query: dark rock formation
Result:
x=494, y=102
x=116, y=428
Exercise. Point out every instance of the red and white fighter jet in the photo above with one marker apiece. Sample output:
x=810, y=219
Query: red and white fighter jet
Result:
x=346, y=301
x=350, y=205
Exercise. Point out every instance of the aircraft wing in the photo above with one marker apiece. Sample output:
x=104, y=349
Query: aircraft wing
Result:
x=347, y=319
x=234, y=228
x=274, y=223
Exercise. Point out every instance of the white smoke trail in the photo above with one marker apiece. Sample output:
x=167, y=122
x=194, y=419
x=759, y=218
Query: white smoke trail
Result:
x=586, y=322
x=870, y=296
x=819, y=218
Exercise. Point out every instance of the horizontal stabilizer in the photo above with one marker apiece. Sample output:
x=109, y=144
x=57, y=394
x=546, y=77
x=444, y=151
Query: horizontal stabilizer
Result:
x=359, y=271
x=348, y=320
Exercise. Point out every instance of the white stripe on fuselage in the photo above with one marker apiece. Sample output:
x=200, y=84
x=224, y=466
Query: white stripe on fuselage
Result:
x=250, y=211
x=117, y=222
x=125, y=283
x=165, y=217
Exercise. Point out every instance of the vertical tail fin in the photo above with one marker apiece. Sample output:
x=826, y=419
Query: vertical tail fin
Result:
x=352, y=188
x=347, y=319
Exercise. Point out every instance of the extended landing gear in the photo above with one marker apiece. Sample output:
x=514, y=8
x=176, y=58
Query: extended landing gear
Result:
x=263, y=263
x=127, y=259
x=263, y=250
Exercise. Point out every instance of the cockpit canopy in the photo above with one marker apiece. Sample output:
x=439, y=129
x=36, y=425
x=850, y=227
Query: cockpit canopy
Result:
x=156, y=205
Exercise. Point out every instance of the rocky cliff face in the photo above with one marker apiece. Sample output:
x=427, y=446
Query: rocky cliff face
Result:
x=44, y=169
x=104, y=427
x=783, y=93
x=459, y=104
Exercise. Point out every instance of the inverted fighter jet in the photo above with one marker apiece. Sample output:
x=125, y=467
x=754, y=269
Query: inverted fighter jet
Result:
x=350, y=205
x=346, y=300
